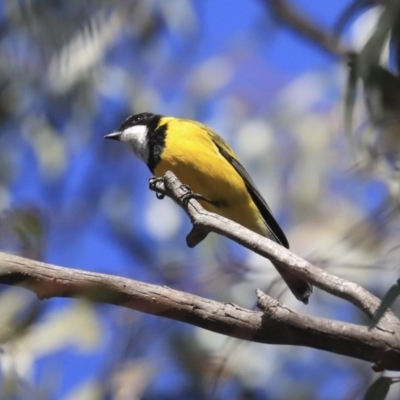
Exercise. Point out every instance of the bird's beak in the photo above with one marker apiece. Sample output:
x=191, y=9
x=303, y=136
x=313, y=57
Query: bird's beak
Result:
x=114, y=136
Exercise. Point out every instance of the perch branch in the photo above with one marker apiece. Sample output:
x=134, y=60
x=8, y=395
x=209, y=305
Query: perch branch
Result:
x=277, y=324
x=209, y=222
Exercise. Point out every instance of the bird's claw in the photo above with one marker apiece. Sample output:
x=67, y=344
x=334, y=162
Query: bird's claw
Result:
x=153, y=183
x=190, y=195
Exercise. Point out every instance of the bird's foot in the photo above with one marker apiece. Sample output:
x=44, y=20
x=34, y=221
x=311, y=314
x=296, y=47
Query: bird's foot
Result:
x=153, y=183
x=191, y=195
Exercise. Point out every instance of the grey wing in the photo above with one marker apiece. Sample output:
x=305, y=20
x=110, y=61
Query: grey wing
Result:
x=274, y=230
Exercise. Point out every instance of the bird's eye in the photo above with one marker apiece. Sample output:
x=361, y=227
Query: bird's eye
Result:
x=134, y=120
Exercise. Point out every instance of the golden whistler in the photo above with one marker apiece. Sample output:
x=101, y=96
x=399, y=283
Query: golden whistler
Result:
x=203, y=160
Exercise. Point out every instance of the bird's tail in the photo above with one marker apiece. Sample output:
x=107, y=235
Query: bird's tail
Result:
x=299, y=287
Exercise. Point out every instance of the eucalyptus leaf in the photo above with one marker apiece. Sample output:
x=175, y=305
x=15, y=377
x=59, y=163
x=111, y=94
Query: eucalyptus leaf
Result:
x=379, y=389
x=386, y=303
x=350, y=96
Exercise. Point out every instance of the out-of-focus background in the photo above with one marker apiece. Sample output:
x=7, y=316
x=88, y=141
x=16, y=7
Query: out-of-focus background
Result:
x=70, y=72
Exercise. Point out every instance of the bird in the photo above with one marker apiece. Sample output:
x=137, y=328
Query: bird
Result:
x=205, y=163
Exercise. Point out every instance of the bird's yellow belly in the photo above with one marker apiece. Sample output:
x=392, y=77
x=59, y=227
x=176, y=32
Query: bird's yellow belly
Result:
x=217, y=181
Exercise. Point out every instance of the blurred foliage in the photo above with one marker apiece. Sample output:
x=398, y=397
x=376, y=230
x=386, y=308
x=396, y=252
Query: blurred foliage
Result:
x=380, y=388
x=69, y=73
x=378, y=73
x=377, y=66
x=390, y=297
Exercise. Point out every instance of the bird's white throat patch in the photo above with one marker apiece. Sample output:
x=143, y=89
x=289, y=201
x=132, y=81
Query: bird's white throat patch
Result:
x=135, y=138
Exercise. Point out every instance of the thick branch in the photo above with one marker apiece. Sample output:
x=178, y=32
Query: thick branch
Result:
x=210, y=222
x=278, y=324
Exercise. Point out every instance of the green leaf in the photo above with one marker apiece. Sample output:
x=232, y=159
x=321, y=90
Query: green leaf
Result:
x=350, y=96
x=386, y=303
x=379, y=389
x=371, y=53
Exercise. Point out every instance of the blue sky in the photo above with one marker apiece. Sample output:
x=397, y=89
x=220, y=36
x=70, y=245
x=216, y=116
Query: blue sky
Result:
x=93, y=202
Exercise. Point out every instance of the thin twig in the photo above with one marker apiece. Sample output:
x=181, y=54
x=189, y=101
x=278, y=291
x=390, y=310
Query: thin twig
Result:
x=302, y=25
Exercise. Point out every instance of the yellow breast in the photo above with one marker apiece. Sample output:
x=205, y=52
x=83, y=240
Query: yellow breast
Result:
x=193, y=157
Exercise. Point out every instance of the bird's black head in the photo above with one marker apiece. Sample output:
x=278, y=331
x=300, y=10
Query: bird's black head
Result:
x=138, y=133
x=145, y=118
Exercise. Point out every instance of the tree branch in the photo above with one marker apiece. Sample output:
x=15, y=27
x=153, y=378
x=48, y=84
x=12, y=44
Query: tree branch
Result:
x=277, y=324
x=209, y=222
x=298, y=22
